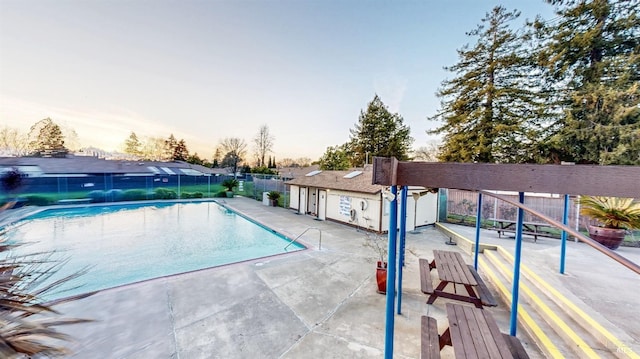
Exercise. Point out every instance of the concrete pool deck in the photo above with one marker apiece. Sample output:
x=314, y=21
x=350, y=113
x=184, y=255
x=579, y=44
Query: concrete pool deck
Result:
x=307, y=304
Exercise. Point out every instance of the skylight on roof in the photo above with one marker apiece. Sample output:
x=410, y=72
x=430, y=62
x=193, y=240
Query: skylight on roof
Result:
x=313, y=173
x=154, y=170
x=168, y=170
x=190, y=172
x=352, y=174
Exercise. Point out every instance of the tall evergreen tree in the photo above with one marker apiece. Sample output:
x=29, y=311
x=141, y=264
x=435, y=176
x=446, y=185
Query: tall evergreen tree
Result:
x=47, y=139
x=180, y=152
x=378, y=133
x=170, y=145
x=132, y=145
x=592, y=58
x=489, y=108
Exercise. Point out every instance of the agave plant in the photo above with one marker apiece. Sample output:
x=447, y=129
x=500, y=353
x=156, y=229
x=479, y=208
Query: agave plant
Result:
x=28, y=323
x=612, y=212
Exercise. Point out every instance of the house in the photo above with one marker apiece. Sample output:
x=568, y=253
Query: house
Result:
x=349, y=197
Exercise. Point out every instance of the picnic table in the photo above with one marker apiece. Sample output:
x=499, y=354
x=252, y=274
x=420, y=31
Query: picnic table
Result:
x=472, y=332
x=535, y=229
x=453, y=270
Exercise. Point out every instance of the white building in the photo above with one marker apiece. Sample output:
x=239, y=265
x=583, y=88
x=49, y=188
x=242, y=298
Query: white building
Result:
x=349, y=197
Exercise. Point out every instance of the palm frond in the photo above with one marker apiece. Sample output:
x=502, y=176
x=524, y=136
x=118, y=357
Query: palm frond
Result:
x=612, y=212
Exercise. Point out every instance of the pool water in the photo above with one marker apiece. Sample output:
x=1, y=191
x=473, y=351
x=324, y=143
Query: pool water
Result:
x=129, y=243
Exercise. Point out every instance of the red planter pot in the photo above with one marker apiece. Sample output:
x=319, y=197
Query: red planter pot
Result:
x=381, y=277
x=608, y=237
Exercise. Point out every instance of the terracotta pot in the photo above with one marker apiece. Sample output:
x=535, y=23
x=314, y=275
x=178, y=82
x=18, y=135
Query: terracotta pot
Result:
x=381, y=277
x=608, y=237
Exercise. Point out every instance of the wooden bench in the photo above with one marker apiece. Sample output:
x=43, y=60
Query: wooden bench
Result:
x=452, y=270
x=484, y=293
x=429, y=338
x=472, y=332
x=515, y=346
x=535, y=229
x=426, y=283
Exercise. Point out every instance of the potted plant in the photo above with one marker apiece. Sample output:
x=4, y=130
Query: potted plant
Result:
x=615, y=215
x=273, y=198
x=379, y=244
x=229, y=185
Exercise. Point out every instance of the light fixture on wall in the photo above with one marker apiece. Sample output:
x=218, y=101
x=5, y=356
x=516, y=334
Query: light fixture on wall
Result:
x=386, y=194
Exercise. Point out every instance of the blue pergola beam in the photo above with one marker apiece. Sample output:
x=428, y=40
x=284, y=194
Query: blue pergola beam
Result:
x=478, y=222
x=513, y=325
x=403, y=236
x=565, y=221
x=391, y=275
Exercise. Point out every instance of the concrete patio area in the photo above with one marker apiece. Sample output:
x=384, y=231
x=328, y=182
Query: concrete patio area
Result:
x=316, y=303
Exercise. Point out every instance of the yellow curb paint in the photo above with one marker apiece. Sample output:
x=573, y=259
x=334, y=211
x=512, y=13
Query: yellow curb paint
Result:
x=543, y=340
x=579, y=312
x=560, y=324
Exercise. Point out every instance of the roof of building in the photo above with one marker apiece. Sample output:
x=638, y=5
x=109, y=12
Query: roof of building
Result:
x=294, y=172
x=336, y=180
x=94, y=165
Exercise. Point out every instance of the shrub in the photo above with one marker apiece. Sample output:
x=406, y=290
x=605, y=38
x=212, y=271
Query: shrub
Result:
x=230, y=184
x=273, y=195
x=164, y=193
x=114, y=195
x=197, y=195
x=135, y=195
x=38, y=200
x=97, y=196
x=221, y=194
x=186, y=195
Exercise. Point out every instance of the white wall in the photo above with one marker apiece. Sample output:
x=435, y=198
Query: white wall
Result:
x=340, y=204
x=375, y=215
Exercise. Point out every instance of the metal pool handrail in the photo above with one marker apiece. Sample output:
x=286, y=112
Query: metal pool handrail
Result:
x=305, y=231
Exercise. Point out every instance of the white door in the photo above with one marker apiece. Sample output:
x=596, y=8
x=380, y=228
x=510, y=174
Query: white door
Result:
x=411, y=213
x=322, y=205
x=303, y=200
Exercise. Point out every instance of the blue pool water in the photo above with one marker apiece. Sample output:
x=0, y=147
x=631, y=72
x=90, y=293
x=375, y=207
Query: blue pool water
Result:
x=128, y=243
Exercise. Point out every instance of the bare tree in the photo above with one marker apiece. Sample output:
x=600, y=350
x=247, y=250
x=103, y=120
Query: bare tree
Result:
x=153, y=148
x=263, y=144
x=427, y=153
x=12, y=142
x=234, y=150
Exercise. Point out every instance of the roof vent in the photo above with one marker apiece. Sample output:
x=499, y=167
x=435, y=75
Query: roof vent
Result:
x=352, y=174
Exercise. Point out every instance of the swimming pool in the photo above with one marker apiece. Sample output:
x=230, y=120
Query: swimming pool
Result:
x=124, y=244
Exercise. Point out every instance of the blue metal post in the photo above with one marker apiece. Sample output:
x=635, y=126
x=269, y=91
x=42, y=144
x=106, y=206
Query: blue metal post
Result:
x=565, y=221
x=516, y=270
x=478, y=222
x=403, y=236
x=391, y=275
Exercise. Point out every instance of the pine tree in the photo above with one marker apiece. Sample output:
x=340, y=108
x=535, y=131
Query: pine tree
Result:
x=132, y=145
x=592, y=59
x=47, y=139
x=170, y=145
x=489, y=108
x=378, y=133
x=180, y=151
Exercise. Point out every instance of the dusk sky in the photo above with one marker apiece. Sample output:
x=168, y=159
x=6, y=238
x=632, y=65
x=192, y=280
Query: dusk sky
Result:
x=205, y=70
